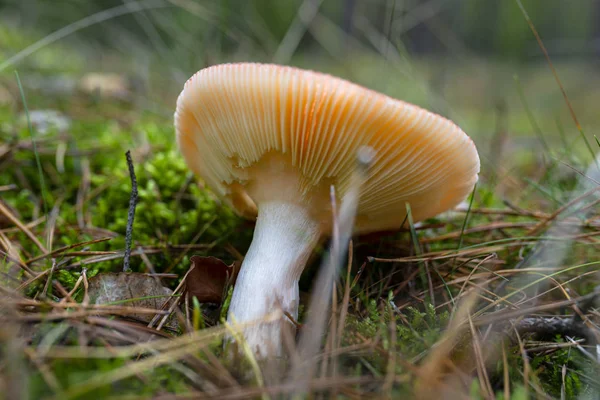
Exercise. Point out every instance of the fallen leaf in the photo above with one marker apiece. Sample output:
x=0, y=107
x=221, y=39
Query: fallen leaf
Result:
x=131, y=289
x=209, y=277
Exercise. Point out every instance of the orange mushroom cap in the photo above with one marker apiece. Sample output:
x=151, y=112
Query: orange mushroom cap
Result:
x=258, y=132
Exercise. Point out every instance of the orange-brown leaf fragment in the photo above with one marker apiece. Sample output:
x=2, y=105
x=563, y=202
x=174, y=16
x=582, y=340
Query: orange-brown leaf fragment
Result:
x=208, y=278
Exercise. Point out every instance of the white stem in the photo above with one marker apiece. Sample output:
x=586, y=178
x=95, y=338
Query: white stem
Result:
x=284, y=238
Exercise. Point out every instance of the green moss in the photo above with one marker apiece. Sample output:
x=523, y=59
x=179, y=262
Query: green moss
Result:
x=171, y=209
x=416, y=330
x=549, y=371
x=166, y=207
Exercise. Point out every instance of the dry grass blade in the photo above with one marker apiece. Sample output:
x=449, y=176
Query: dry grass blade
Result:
x=131, y=369
x=161, y=352
x=346, y=299
x=44, y=369
x=174, y=303
x=484, y=379
x=478, y=229
x=507, y=315
x=12, y=255
x=526, y=365
x=62, y=250
x=108, y=310
x=310, y=339
x=284, y=389
x=137, y=252
x=444, y=254
x=192, y=339
x=506, y=372
x=431, y=373
x=543, y=223
x=6, y=212
x=248, y=353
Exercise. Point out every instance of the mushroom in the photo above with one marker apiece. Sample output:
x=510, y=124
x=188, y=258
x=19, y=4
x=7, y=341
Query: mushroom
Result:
x=270, y=140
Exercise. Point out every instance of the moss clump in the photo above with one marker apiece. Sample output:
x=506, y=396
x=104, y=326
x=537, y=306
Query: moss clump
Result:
x=416, y=330
x=169, y=206
x=172, y=208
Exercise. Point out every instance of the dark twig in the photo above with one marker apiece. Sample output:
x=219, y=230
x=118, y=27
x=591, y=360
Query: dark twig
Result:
x=551, y=326
x=130, y=213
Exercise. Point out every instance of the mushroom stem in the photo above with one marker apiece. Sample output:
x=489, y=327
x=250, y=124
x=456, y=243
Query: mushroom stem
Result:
x=284, y=238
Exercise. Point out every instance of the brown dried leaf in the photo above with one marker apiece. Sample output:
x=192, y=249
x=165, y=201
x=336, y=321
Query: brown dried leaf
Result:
x=119, y=287
x=209, y=278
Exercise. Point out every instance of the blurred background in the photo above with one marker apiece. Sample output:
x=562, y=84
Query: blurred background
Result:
x=474, y=61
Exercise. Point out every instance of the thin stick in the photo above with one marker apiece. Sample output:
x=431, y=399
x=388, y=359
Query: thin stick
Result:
x=130, y=213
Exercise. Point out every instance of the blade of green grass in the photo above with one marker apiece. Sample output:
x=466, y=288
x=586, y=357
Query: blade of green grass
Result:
x=466, y=220
x=423, y=272
x=544, y=277
x=529, y=113
x=33, y=144
x=86, y=22
x=560, y=85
